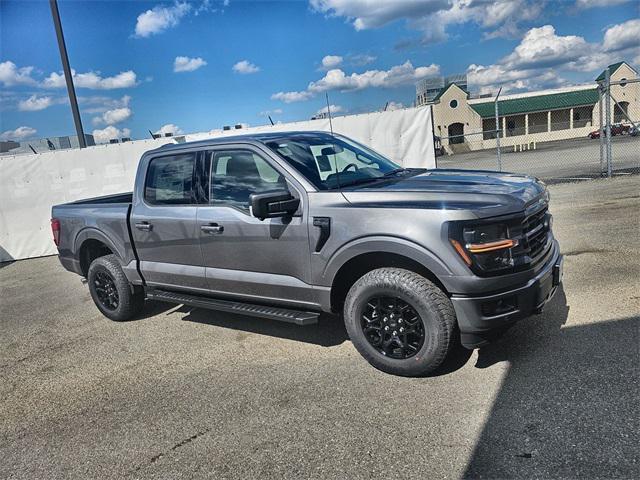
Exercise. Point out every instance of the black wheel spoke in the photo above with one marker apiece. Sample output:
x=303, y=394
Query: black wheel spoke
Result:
x=106, y=291
x=392, y=326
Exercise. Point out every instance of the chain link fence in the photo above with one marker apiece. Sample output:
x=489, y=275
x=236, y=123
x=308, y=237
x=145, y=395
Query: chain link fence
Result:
x=557, y=144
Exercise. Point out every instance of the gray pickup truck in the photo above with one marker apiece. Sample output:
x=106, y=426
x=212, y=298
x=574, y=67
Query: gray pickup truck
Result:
x=284, y=226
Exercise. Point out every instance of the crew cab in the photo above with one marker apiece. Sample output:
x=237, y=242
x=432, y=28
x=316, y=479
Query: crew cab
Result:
x=285, y=226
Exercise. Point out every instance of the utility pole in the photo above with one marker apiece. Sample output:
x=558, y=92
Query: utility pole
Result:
x=67, y=73
x=498, y=132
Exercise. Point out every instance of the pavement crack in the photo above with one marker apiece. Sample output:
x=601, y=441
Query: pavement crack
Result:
x=176, y=446
x=575, y=253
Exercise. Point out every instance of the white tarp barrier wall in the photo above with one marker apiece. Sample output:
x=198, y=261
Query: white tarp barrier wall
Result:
x=31, y=184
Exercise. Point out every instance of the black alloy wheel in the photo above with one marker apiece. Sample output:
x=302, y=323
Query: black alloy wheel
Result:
x=392, y=327
x=106, y=290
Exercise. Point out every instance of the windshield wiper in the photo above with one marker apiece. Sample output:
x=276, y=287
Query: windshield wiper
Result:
x=358, y=181
x=395, y=171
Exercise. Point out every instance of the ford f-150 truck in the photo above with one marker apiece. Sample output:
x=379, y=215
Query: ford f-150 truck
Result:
x=284, y=226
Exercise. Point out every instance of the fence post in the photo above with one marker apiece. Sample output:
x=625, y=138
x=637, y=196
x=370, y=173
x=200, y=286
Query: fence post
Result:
x=498, y=132
x=601, y=127
x=607, y=85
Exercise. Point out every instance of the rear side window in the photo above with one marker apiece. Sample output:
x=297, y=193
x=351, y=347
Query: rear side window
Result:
x=170, y=180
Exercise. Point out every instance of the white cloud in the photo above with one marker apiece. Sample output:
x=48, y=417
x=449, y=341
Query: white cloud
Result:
x=11, y=75
x=364, y=14
x=622, y=36
x=92, y=80
x=331, y=61
x=111, y=117
x=334, y=109
x=290, y=97
x=186, y=64
x=541, y=47
x=540, y=57
x=169, y=128
x=336, y=79
x=245, y=67
x=396, y=76
x=362, y=60
x=431, y=17
x=266, y=113
x=20, y=133
x=100, y=104
x=582, y=4
x=109, y=133
x=35, y=103
x=160, y=18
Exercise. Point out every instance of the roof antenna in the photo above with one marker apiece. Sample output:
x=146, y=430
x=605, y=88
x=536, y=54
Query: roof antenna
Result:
x=271, y=120
x=152, y=135
x=329, y=112
x=335, y=160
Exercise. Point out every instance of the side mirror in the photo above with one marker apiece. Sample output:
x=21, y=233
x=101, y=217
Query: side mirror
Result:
x=276, y=203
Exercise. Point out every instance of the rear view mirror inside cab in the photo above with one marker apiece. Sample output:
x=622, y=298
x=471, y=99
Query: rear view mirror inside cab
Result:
x=332, y=150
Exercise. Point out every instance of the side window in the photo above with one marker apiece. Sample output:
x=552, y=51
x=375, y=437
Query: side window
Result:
x=170, y=180
x=239, y=173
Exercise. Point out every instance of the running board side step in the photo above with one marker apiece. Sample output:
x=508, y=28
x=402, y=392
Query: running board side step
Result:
x=297, y=317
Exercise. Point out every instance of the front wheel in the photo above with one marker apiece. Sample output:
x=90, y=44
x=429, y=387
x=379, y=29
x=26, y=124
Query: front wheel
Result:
x=399, y=321
x=112, y=293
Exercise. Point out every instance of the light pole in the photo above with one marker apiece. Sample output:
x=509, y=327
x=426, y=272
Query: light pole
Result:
x=498, y=131
x=67, y=73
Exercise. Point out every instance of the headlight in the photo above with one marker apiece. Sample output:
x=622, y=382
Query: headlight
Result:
x=485, y=247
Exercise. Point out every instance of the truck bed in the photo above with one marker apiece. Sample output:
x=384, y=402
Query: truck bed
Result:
x=104, y=218
x=117, y=198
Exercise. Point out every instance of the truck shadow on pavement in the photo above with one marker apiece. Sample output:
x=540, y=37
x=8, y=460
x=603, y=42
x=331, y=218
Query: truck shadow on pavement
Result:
x=567, y=407
x=328, y=332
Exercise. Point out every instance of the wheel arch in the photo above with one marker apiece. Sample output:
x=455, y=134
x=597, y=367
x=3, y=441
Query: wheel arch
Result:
x=91, y=244
x=354, y=261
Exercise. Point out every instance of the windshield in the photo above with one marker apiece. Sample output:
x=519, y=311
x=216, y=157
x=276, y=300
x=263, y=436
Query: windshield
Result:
x=331, y=162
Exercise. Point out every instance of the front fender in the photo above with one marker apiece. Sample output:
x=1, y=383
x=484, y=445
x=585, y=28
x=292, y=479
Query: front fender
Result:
x=383, y=244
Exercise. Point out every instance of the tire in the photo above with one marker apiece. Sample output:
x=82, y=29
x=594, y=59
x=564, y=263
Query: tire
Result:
x=432, y=306
x=110, y=290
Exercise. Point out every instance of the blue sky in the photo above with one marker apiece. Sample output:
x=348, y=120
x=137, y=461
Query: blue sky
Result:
x=196, y=66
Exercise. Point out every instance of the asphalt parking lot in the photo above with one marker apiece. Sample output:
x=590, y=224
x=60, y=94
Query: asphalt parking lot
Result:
x=184, y=393
x=555, y=161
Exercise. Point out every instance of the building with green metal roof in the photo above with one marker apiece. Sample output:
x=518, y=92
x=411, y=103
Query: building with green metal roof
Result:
x=465, y=123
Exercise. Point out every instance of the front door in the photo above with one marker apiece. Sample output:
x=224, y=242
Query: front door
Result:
x=260, y=260
x=163, y=224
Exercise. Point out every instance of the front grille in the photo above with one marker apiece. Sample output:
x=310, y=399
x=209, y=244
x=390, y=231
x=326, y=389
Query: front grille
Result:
x=535, y=235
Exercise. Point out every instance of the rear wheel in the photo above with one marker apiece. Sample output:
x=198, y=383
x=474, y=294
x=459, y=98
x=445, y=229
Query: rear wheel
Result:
x=399, y=321
x=110, y=290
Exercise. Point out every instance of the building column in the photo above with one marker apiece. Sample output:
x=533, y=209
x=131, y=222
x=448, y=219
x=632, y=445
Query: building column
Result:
x=504, y=127
x=526, y=124
x=571, y=118
x=549, y=121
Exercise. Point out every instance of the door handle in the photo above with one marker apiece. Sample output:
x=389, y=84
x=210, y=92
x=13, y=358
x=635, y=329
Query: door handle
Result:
x=212, y=228
x=145, y=226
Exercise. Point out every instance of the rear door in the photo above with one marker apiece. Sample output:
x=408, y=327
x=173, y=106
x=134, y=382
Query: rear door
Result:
x=261, y=260
x=163, y=223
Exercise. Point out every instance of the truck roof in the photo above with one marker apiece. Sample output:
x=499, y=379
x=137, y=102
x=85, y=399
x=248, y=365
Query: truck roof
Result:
x=245, y=138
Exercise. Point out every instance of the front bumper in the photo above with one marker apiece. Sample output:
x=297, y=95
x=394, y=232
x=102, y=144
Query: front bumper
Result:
x=482, y=318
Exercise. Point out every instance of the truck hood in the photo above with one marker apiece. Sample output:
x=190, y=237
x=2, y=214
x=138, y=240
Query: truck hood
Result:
x=484, y=192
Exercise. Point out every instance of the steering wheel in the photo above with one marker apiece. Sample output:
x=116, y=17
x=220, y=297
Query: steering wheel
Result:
x=355, y=167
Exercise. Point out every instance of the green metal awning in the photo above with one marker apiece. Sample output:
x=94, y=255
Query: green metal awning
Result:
x=538, y=103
